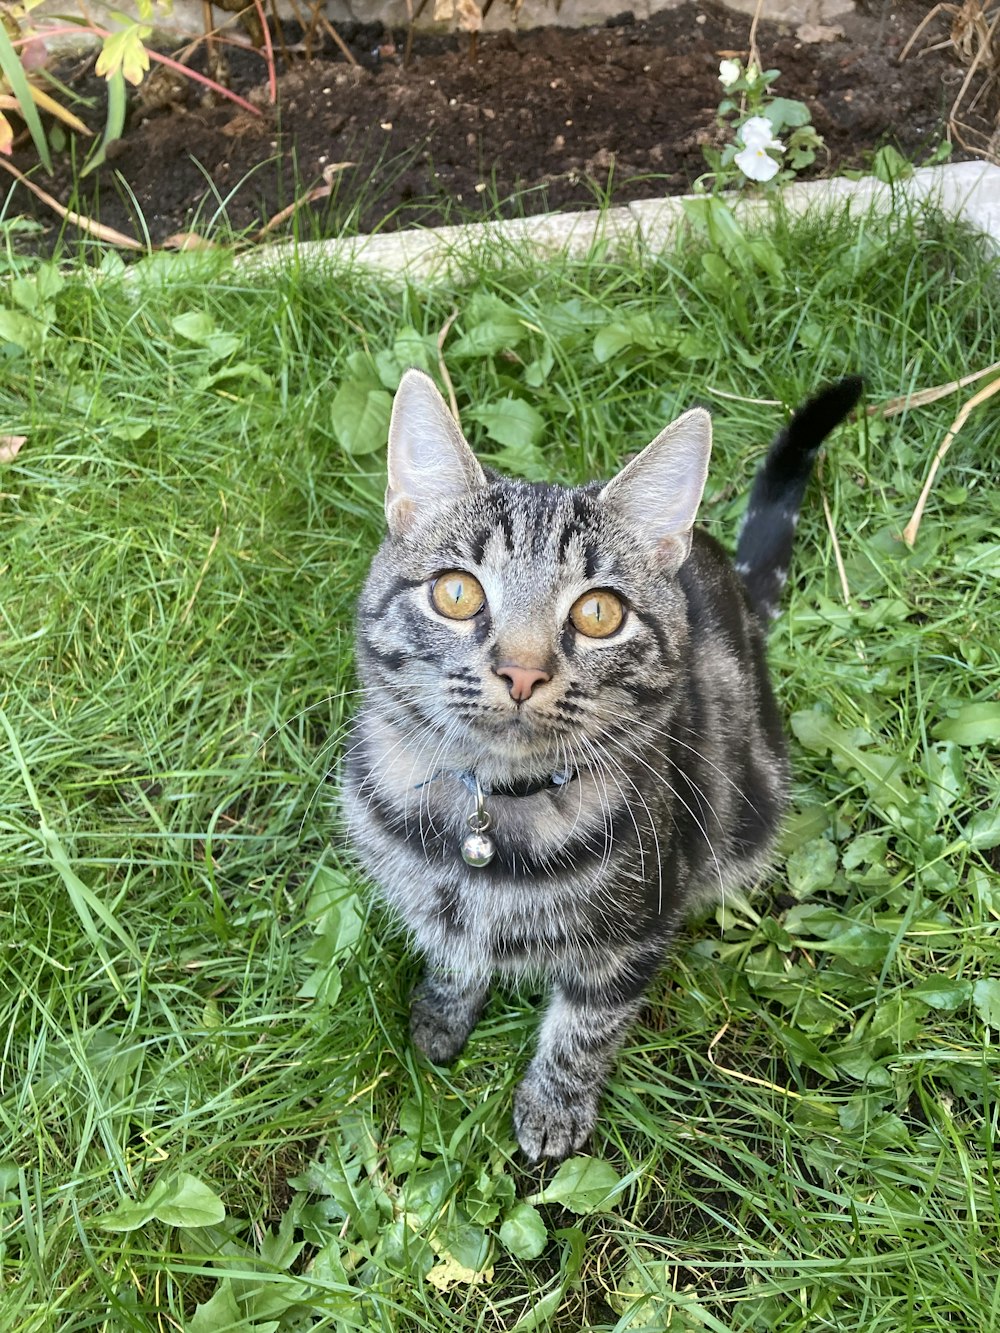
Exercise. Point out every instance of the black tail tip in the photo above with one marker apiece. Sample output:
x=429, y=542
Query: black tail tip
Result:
x=834, y=402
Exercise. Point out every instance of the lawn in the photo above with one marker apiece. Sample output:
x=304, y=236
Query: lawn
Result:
x=210, y=1115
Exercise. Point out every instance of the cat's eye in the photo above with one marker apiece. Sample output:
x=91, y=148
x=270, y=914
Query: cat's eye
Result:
x=457, y=595
x=598, y=613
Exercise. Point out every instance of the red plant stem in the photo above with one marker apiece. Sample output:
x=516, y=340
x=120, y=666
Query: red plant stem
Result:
x=272, y=78
x=170, y=63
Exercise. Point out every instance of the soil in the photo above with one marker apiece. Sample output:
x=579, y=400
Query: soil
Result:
x=539, y=120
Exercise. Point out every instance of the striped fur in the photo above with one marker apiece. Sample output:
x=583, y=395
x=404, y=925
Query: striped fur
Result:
x=669, y=725
x=764, y=548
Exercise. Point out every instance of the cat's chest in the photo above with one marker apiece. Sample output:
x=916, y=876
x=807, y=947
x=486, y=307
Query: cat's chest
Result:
x=545, y=893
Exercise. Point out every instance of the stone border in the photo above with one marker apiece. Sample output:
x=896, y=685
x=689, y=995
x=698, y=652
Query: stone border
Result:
x=967, y=190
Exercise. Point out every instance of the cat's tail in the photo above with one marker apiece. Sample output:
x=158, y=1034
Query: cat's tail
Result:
x=764, y=548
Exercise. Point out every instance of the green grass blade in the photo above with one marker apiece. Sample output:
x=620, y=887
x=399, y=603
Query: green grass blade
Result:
x=85, y=901
x=114, y=123
x=13, y=72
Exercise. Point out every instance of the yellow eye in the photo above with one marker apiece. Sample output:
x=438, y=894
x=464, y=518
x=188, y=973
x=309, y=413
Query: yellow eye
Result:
x=597, y=614
x=457, y=595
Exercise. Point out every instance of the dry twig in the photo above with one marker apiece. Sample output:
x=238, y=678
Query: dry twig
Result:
x=912, y=528
x=88, y=225
x=921, y=397
x=845, y=587
x=445, y=330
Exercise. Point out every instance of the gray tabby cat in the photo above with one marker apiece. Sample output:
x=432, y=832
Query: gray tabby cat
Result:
x=568, y=732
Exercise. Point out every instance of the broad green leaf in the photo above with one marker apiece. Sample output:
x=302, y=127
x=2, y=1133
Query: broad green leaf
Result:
x=805, y=1051
x=581, y=1184
x=390, y=372
x=986, y=998
x=767, y=257
x=782, y=111
x=185, y=1201
x=486, y=1199
x=972, y=724
x=405, y=1250
x=878, y=769
x=324, y=983
x=802, y=826
x=498, y=331
x=196, y=326
x=526, y=460
x=125, y=51
x=523, y=1232
x=895, y=1024
x=36, y=292
x=611, y=340
x=812, y=866
x=718, y=270
x=511, y=422
x=941, y=992
x=220, y=1314
x=981, y=557
x=178, y=1201
x=983, y=829
x=463, y=1259
x=470, y=1245
x=944, y=767
x=360, y=418
x=890, y=165
x=23, y=331
x=412, y=349
x=859, y=944
x=638, y=331
x=128, y=1216
x=538, y=371
x=865, y=849
x=424, y=1195
x=241, y=372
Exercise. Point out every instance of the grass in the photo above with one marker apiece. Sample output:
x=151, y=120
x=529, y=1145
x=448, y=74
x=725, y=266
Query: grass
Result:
x=210, y=1117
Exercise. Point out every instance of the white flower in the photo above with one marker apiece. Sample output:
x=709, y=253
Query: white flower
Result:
x=729, y=72
x=756, y=164
x=752, y=75
x=754, y=160
x=758, y=132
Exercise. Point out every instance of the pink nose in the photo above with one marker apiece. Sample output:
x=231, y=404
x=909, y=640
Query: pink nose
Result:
x=521, y=680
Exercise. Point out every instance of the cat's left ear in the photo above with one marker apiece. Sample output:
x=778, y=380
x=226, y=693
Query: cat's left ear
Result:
x=430, y=461
x=659, y=492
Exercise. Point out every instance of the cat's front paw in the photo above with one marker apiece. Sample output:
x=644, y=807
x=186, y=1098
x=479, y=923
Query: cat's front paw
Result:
x=551, y=1122
x=438, y=1032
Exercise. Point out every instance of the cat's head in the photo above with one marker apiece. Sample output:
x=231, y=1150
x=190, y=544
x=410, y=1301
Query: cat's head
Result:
x=518, y=623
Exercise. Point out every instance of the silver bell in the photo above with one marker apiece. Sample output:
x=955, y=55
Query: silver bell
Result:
x=478, y=848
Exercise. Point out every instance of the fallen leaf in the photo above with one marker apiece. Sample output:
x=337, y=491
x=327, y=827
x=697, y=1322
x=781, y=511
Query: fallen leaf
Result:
x=470, y=16
x=187, y=240
x=10, y=446
x=450, y=1273
x=819, y=32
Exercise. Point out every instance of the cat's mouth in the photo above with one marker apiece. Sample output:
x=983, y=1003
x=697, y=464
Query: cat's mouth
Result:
x=527, y=737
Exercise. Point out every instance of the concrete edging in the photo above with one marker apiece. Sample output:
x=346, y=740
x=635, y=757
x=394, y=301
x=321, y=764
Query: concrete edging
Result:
x=967, y=190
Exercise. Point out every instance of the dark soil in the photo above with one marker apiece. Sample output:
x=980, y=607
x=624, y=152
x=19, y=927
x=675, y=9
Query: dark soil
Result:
x=540, y=120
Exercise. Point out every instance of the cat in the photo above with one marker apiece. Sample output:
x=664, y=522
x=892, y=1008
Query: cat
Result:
x=568, y=733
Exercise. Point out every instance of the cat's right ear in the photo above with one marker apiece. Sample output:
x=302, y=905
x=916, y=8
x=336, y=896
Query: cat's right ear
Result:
x=430, y=461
